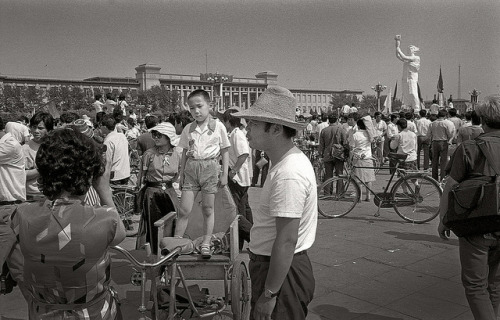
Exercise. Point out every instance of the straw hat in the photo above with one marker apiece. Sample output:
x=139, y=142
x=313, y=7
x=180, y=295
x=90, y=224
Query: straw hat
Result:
x=167, y=129
x=276, y=105
x=81, y=126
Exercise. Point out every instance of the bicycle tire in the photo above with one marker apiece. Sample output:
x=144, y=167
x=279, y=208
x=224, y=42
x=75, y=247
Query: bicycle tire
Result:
x=416, y=206
x=124, y=202
x=335, y=204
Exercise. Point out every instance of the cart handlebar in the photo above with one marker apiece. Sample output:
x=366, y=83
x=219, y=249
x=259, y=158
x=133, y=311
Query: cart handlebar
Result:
x=173, y=254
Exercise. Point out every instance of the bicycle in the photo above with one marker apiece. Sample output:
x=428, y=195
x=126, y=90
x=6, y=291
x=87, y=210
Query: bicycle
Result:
x=414, y=196
x=124, y=199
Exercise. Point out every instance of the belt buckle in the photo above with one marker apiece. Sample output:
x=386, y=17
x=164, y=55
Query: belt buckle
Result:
x=163, y=186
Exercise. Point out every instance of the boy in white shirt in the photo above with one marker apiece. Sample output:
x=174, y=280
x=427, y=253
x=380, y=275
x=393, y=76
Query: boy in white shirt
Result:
x=202, y=141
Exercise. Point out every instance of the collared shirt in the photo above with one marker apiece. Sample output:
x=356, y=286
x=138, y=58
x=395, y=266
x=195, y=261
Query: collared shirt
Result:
x=422, y=126
x=457, y=122
x=381, y=128
x=406, y=143
x=117, y=153
x=392, y=130
x=204, y=143
x=411, y=126
x=287, y=193
x=98, y=106
x=441, y=130
x=12, y=173
x=239, y=146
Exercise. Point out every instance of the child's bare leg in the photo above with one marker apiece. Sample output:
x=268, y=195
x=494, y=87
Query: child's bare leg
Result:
x=185, y=208
x=207, y=208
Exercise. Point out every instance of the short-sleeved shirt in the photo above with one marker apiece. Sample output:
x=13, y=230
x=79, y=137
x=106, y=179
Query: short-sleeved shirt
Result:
x=64, y=244
x=204, y=143
x=422, y=126
x=160, y=167
x=12, y=173
x=240, y=146
x=406, y=143
x=98, y=106
x=441, y=130
x=381, y=127
x=117, y=152
x=30, y=149
x=287, y=193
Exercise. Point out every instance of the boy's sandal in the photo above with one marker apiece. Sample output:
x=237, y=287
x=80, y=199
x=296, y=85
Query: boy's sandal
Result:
x=206, y=251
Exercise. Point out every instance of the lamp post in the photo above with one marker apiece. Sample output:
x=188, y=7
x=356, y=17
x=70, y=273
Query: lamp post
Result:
x=216, y=79
x=378, y=89
x=473, y=97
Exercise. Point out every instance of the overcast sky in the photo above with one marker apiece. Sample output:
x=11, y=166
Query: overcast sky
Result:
x=314, y=44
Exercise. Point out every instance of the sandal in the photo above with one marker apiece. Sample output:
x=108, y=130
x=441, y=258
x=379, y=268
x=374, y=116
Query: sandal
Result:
x=206, y=251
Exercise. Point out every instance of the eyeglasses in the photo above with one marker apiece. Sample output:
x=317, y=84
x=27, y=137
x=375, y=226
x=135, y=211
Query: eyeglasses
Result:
x=156, y=135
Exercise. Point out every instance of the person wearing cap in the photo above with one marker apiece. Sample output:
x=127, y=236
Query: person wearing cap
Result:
x=40, y=124
x=160, y=167
x=479, y=254
x=285, y=222
x=203, y=141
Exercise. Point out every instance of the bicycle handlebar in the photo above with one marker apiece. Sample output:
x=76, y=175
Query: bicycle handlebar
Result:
x=138, y=264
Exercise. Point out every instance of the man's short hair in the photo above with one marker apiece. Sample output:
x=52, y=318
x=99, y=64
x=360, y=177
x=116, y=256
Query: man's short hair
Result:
x=110, y=96
x=452, y=112
x=98, y=96
x=324, y=117
x=423, y=113
x=150, y=121
x=332, y=118
x=109, y=122
x=44, y=117
x=475, y=118
x=403, y=123
x=408, y=115
x=200, y=92
x=233, y=121
x=394, y=116
x=353, y=115
x=69, y=117
x=489, y=111
x=377, y=113
x=442, y=113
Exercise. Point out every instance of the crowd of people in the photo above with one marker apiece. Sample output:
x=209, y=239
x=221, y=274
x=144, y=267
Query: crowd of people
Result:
x=58, y=219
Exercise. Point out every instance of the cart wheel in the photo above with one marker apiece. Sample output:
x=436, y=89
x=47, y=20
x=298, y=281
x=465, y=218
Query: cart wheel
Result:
x=240, y=291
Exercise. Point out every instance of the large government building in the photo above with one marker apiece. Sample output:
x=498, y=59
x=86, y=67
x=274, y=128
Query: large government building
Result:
x=227, y=90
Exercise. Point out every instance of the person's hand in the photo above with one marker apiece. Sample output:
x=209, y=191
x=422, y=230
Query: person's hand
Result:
x=222, y=181
x=231, y=174
x=444, y=232
x=181, y=179
x=264, y=308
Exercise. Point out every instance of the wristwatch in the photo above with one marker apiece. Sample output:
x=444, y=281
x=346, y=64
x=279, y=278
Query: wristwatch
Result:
x=269, y=294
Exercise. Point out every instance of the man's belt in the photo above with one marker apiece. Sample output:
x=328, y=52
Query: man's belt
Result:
x=8, y=203
x=261, y=258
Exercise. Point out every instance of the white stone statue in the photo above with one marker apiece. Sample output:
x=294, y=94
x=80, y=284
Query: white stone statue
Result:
x=410, y=75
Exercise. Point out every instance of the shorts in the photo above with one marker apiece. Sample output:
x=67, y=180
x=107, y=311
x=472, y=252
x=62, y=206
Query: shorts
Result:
x=201, y=175
x=409, y=165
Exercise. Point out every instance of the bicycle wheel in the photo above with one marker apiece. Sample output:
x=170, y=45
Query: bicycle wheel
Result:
x=337, y=196
x=124, y=202
x=416, y=198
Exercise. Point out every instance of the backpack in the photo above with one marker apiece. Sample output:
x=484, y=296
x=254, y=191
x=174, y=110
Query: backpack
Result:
x=473, y=204
x=338, y=150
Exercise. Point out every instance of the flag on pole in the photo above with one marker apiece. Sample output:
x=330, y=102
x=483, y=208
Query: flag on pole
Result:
x=387, y=104
x=395, y=91
x=440, y=82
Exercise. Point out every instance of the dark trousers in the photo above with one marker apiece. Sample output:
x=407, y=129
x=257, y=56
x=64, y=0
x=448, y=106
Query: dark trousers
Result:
x=423, y=145
x=257, y=170
x=240, y=197
x=330, y=166
x=294, y=295
x=439, y=158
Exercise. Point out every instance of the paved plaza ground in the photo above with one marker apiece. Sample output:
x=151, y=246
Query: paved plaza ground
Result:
x=366, y=268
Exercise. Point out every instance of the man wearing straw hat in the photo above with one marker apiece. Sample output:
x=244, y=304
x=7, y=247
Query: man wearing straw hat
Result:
x=285, y=221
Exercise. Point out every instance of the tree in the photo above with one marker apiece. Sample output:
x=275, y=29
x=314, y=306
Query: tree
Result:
x=160, y=99
x=368, y=105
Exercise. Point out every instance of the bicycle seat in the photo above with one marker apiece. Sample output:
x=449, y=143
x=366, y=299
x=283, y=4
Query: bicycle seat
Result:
x=167, y=244
x=397, y=156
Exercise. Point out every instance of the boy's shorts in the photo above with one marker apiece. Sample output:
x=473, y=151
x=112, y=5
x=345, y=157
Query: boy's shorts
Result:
x=201, y=175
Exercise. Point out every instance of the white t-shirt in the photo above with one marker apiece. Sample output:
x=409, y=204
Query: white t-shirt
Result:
x=98, y=106
x=406, y=142
x=206, y=143
x=381, y=127
x=239, y=146
x=12, y=173
x=289, y=192
x=117, y=152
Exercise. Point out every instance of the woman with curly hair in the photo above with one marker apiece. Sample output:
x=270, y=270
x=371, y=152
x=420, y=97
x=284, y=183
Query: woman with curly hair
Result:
x=64, y=243
x=160, y=166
